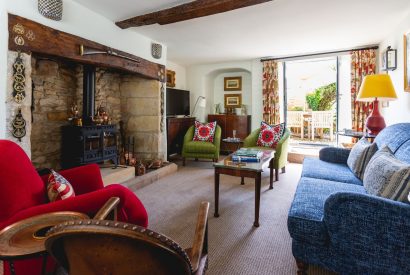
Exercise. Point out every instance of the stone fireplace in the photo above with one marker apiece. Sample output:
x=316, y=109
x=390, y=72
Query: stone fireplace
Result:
x=53, y=85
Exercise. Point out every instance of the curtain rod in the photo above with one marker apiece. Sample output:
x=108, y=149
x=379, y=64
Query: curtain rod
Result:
x=375, y=47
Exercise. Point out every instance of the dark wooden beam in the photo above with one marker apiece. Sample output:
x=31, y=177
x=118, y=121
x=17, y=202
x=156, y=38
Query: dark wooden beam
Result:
x=191, y=10
x=31, y=37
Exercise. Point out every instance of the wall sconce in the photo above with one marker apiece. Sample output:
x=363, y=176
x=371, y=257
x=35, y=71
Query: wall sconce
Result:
x=389, y=59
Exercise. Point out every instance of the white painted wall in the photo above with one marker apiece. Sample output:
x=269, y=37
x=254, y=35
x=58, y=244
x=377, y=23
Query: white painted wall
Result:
x=180, y=74
x=246, y=91
x=201, y=81
x=3, y=67
x=77, y=20
x=398, y=110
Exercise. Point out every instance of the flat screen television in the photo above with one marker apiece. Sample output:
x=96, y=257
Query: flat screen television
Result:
x=177, y=102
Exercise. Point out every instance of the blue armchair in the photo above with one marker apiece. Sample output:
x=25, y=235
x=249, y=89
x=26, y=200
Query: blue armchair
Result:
x=335, y=224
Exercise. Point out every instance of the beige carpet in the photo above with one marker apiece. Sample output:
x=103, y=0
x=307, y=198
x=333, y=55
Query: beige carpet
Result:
x=235, y=246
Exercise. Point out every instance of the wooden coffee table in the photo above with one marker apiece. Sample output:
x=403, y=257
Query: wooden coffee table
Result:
x=249, y=170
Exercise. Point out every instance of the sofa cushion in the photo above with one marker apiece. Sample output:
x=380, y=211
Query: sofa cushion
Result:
x=388, y=177
x=403, y=153
x=305, y=220
x=319, y=169
x=200, y=147
x=270, y=135
x=393, y=136
x=58, y=187
x=360, y=156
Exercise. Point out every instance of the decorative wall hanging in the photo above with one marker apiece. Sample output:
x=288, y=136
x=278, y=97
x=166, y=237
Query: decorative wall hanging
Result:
x=19, y=40
x=19, y=125
x=30, y=35
x=156, y=50
x=170, y=79
x=233, y=83
x=19, y=79
x=18, y=28
x=162, y=107
x=51, y=9
x=389, y=59
x=407, y=62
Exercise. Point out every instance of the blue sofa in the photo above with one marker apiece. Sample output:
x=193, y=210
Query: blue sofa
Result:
x=335, y=224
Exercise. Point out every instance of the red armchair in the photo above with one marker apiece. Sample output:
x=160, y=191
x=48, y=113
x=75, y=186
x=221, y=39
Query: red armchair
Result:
x=23, y=194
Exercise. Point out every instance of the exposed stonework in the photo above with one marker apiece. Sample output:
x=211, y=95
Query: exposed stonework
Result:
x=55, y=86
x=140, y=106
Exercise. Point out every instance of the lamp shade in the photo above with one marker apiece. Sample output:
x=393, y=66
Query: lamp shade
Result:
x=377, y=86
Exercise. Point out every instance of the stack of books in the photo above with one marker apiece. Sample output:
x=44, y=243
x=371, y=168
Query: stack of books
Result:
x=247, y=155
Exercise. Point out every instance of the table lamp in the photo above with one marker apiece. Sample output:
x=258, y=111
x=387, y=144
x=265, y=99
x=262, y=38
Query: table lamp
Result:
x=374, y=88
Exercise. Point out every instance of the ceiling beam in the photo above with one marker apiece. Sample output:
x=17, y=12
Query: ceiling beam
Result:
x=191, y=10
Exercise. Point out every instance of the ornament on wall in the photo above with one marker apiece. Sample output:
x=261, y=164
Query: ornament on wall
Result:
x=19, y=79
x=30, y=35
x=162, y=107
x=19, y=40
x=51, y=9
x=156, y=50
x=161, y=75
x=19, y=125
x=18, y=28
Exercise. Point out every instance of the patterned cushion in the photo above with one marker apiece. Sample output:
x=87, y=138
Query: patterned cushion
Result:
x=388, y=177
x=360, y=156
x=204, y=131
x=270, y=135
x=58, y=188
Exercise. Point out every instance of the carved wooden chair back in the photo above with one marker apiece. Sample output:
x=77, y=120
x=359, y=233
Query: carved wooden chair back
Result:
x=111, y=247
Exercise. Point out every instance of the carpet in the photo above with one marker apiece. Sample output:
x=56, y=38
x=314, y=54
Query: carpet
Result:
x=235, y=246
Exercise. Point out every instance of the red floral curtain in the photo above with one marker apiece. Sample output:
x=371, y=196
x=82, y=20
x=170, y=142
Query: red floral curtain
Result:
x=270, y=89
x=363, y=63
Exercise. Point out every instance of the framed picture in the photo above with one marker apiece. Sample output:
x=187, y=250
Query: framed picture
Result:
x=233, y=100
x=233, y=83
x=170, y=79
x=389, y=59
x=407, y=62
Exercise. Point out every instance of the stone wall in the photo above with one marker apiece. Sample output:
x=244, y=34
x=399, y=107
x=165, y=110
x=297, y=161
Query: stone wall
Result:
x=56, y=85
x=141, y=109
x=54, y=92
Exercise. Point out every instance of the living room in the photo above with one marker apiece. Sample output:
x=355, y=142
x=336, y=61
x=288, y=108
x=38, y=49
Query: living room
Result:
x=102, y=82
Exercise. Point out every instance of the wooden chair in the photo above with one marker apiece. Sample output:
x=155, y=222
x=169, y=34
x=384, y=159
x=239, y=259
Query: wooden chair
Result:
x=91, y=247
x=322, y=120
x=295, y=120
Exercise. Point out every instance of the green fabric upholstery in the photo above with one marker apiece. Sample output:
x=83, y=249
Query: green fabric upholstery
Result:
x=281, y=154
x=201, y=149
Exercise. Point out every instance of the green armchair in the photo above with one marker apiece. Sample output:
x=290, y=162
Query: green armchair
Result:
x=201, y=149
x=281, y=154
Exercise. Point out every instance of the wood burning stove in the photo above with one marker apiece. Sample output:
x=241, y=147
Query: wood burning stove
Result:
x=88, y=143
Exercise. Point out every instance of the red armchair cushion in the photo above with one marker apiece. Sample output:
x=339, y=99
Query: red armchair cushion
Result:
x=270, y=135
x=58, y=187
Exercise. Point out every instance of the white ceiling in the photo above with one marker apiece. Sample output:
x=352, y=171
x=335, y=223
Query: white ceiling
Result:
x=278, y=28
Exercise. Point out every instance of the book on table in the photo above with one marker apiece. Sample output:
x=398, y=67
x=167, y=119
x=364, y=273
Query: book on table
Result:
x=247, y=155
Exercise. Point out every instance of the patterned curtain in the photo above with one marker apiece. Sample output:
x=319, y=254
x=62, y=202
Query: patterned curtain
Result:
x=363, y=63
x=270, y=89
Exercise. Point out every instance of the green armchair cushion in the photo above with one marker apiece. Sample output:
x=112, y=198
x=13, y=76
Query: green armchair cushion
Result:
x=200, y=147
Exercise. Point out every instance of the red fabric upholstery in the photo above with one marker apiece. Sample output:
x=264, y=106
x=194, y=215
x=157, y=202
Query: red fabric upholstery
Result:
x=23, y=195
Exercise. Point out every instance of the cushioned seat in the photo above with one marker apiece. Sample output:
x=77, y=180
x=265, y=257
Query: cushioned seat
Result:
x=305, y=220
x=319, y=169
x=200, y=147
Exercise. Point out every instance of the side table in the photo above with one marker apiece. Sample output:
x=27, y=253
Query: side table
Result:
x=236, y=141
x=25, y=238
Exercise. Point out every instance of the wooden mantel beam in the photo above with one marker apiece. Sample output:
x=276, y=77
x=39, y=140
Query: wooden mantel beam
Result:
x=191, y=10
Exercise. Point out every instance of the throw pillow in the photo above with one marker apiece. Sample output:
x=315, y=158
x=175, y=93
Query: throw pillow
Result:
x=270, y=135
x=360, y=156
x=204, y=131
x=58, y=187
x=386, y=176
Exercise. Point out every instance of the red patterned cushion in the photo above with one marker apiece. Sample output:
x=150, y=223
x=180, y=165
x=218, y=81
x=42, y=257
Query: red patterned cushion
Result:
x=204, y=131
x=58, y=188
x=270, y=135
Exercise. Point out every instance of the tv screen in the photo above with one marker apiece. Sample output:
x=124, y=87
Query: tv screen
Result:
x=177, y=102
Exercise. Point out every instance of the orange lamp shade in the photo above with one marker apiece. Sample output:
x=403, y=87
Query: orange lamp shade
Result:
x=377, y=86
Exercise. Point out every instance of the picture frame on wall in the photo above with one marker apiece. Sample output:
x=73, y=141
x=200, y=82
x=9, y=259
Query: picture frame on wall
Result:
x=407, y=62
x=389, y=62
x=233, y=83
x=233, y=100
x=170, y=79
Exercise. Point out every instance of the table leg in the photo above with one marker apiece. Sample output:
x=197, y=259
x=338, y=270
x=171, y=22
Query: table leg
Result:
x=242, y=180
x=216, y=214
x=271, y=174
x=257, y=198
